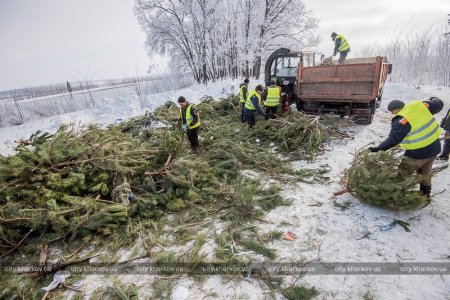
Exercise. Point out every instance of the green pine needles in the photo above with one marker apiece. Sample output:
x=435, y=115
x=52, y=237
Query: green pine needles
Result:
x=81, y=181
x=382, y=179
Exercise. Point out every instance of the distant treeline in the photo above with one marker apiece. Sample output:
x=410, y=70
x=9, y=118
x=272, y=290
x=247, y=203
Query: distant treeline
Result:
x=54, y=89
x=418, y=57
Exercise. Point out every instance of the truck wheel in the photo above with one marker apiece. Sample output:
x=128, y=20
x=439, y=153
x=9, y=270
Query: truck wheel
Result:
x=373, y=105
x=298, y=104
x=364, y=120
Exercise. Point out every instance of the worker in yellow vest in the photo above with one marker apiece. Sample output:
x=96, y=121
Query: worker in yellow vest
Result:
x=190, y=121
x=341, y=45
x=272, y=98
x=416, y=130
x=243, y=92
x=251, y=107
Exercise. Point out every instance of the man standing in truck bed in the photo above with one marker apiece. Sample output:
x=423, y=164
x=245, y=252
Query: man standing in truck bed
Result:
x=340, y=45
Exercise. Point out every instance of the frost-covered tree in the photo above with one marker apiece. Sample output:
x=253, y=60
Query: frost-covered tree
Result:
x=212, y=39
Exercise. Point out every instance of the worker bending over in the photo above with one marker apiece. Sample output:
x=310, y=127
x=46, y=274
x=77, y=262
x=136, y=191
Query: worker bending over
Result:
x=252, y=107
x=416, y=130
x=340, y=45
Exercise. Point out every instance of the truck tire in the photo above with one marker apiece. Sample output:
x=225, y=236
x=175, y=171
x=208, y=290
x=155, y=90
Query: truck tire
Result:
x=298, y=104
x=364, y=120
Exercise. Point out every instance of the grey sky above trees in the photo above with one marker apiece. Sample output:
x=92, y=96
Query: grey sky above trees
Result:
x=48, y=41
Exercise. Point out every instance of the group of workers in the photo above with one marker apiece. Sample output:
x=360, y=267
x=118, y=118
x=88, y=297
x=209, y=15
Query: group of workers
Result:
x=252, y=101
x=251, y=105
x=414, y=127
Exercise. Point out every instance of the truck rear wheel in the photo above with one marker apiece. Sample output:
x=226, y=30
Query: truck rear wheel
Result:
x=298, y=104
x=364, y=120
x=367, y=119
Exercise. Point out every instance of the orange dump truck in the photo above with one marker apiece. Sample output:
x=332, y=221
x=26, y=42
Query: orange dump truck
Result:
x=352, y=89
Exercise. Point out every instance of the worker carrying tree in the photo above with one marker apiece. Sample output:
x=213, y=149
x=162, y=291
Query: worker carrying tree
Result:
x=340, y=45
x=445, y=124
x=190, y=121
x=243, y=92
x=252, y=106
x=272, y=98
x=416, y=130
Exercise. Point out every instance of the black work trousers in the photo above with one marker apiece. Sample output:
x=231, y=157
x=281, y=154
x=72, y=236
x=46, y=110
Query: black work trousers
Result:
x=192, y=135
x=242, y=112
x=343, y=56
x=271, y=112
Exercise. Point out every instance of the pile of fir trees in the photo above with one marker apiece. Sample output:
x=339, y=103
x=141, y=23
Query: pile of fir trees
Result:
x=384, y=179
x=97, y=181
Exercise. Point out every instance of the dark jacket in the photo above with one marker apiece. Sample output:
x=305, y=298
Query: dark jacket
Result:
x=194, y=114
x=399, y=132
x=337, y=44
x=445, y=123
x=258, y=110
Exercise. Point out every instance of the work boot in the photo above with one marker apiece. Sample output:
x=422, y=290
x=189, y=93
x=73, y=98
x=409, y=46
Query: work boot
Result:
x=426, y=190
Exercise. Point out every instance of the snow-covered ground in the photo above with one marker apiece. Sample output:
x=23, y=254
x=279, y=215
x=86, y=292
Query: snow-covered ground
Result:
x=111, y=104
x=324, y=230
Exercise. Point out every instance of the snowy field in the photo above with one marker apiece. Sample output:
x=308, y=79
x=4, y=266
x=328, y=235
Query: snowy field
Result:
x=324, y=230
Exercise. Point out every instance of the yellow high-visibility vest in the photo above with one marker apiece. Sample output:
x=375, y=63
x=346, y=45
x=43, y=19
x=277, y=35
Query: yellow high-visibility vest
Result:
x=273, y=96
x=189, y=117
x=241, y=93
x=344, y=44
x=424, y=128
x=248, y=103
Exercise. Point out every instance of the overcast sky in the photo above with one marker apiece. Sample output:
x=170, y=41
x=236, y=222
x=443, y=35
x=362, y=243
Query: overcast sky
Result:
x=51, y=41
x=364, y=21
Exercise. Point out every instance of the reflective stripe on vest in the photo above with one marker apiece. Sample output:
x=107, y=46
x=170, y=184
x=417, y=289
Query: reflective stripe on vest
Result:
x=248, y=103
x=241, y=93
x=189, y=117
x=424, y=128
x=273, y=96
x=344, y=44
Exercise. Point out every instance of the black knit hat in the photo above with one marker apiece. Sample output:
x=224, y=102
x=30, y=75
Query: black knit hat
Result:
x=395, y=104
x=181, y=99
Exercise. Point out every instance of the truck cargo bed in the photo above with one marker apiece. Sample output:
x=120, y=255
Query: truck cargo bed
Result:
x=354, y=88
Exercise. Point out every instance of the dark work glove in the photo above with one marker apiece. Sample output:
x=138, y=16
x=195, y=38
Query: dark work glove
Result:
x=442, y=124
x=374, y=149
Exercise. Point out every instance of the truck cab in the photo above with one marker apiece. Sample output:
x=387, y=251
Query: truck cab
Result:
x=282, y=67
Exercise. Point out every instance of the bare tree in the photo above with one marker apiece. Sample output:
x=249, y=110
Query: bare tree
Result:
x=211, y=39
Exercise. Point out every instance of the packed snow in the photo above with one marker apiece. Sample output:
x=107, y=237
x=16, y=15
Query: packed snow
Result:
x=331, y=229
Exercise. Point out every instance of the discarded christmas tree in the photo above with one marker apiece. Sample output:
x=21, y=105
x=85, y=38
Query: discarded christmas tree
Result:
x=80, y=182
x=384, y=179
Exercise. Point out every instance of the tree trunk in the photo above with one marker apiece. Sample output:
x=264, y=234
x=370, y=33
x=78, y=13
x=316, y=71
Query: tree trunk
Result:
x=257, y=67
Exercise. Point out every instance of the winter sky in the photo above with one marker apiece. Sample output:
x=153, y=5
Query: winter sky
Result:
x=51, y=41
